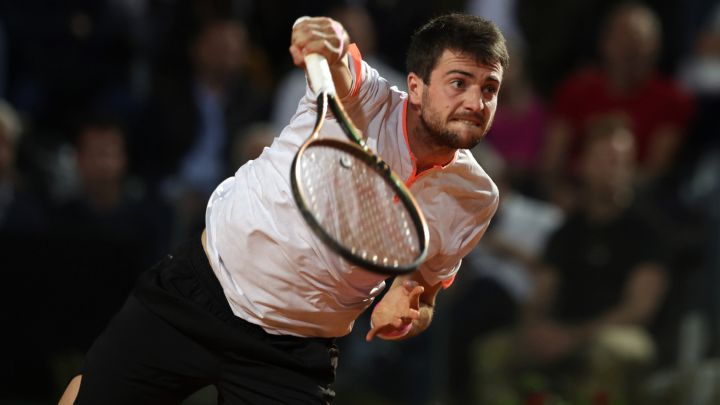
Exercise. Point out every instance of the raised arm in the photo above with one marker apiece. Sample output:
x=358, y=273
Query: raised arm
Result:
x=328, y=38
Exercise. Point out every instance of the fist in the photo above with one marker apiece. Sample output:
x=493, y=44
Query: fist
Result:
x=321, y=35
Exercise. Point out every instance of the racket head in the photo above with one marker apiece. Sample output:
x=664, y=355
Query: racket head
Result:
x=358, y=207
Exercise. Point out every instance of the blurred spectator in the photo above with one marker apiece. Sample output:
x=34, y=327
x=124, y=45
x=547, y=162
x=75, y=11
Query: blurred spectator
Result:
x=701, y=74
x=605, y=280
x=188, y=126
x=102, y=239
x=24, y=345
x=700, y=190
x=520, y=125
x=701, y=70
x=360, y=27
x=626, y=83
x=496, y=278
x=559, y=36
x=20, y=211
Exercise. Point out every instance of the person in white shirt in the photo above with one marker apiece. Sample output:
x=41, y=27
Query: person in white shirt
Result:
x=253, y=306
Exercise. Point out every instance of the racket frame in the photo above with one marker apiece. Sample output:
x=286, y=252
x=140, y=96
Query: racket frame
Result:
x=358, y=148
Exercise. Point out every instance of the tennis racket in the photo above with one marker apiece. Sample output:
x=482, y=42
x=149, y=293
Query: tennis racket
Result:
x=351, y=198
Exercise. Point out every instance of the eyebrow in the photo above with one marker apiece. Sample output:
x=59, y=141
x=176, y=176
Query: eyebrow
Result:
x=491, y=77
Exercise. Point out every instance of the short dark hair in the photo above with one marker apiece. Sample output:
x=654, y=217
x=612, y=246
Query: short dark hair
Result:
x=465, y=33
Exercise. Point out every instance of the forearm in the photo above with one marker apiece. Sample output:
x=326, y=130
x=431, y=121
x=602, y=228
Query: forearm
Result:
x=642, y=297
x=342, y=78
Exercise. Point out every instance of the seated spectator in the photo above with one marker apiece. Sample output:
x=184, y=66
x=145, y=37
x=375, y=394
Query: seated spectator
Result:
x=626, y=83
x=102, y=238
x=20, y=211
x=24, y=375
x=604, y=281
x=188, y=127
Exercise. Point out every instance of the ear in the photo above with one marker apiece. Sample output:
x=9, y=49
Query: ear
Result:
x=416, y=87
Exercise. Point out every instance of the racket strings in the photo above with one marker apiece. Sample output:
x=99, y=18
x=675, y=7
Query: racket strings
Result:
x=357, y=207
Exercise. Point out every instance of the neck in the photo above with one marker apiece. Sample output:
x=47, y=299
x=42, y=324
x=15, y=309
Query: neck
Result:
x=623, y=82
x=427, y=153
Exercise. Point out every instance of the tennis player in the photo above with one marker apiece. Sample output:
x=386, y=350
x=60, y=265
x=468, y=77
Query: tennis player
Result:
x=254, y=305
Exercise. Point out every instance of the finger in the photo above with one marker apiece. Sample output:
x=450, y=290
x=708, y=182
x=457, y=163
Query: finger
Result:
x=414, y=297
x=311, y=30
x=417, y=291
x=371, y=334
x=323, y=44
x=300, y=20
x=411, y=314
x=320, y=35
x=297, y=56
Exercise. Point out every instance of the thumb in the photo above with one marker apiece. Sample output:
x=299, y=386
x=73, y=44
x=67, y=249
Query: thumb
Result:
x=297, y=56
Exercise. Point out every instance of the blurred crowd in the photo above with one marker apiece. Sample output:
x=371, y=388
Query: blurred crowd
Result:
x=597, y=283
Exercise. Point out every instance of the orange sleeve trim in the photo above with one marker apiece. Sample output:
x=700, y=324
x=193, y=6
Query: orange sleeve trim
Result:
x=357, y=65
x=448, y=282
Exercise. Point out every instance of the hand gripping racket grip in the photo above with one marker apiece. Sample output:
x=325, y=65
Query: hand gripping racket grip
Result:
x=318, y=71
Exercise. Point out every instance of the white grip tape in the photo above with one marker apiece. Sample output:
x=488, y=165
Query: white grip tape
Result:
x=318, y=71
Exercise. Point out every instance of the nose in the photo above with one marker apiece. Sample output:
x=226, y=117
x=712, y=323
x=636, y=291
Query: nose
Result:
x=474, y=100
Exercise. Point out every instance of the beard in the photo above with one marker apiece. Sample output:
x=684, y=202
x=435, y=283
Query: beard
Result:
x=439, y=134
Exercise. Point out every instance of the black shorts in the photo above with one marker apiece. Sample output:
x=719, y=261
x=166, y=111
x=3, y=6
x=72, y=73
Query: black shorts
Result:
x=176, y=334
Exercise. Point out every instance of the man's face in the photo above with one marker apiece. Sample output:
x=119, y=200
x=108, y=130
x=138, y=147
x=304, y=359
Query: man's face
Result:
x=631, y=45
x=101, y=156
x=459, y=103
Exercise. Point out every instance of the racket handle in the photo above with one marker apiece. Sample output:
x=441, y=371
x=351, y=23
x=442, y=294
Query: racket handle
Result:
x=318, y=71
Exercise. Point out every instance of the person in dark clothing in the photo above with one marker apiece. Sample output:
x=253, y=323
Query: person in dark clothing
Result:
x=101, y=240
x=605, y=274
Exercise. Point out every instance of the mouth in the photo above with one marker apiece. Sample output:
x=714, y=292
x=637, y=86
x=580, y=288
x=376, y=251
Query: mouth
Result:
x=469, y=121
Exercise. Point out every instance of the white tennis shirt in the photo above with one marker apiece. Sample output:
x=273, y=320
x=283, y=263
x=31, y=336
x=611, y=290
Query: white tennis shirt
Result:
x=273, y=269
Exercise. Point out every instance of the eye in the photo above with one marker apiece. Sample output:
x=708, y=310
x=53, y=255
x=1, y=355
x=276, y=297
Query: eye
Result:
x=457, y=83
x=490, y=90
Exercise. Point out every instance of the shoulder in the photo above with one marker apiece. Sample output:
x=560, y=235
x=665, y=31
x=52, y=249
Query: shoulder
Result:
x=460, y=192
x=474, y=178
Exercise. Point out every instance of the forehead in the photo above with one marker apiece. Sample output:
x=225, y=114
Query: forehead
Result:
x=452, y=60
